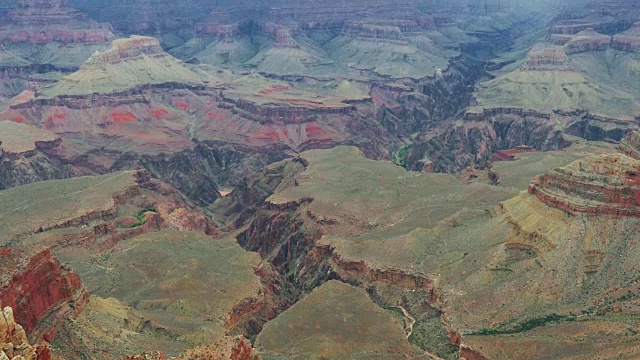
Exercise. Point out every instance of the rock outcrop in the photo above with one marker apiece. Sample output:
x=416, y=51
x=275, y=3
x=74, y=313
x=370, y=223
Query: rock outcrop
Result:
x=14, y=344
x=24, y=155
x=597, y=185
x=132, y=204
x=587, y=40
x=547, y=58
x=41, y=291
x=630, y=145
x=229, y=348
x=325, y=11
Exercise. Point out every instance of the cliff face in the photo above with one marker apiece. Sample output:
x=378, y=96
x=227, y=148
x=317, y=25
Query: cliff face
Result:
x=175, y=119
x=132, y=218
x=587, y=40
x=476, y=140
x=131, y=205
x=231, y=348
x=599, y=185
x=153, y=17
x=41, y=290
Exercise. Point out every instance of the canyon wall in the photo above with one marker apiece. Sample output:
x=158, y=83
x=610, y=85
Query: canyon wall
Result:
x=40, y=290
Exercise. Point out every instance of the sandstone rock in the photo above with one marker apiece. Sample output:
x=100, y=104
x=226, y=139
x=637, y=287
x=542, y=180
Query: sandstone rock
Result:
x=309, y=11
x=283, y=34
x=13, y=340
x=228, y=348
x=156, y=355
x=597, y=185
x=38, y=287
x=220, y=24
x=149, y=17
x=17, y=138
x=510, y=154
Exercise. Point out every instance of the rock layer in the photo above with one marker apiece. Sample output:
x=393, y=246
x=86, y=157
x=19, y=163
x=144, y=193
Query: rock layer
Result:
x=45, y=21
x=39, y=288
x=598, y=185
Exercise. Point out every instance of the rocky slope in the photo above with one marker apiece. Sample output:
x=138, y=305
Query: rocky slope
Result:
x=51, y=21
x=41, y=290
x=14, y=343
x=446, y=266
x=24, y=155
x=602, y=185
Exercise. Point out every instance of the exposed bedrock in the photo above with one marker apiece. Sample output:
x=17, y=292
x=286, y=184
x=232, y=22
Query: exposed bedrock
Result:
x=598, y=185
x=40, y=290
x=587, y=40
x=148, y=16
x=473, y=142
x=31, y=166
x=630, y=145
x=599, y=127
x=481, y=134
x=13, y=340
x=628, y=40
x=547, y=58
x=200, y=172
x=250, y=194
x=286, y=235
x=428, y=102
x=570, y=27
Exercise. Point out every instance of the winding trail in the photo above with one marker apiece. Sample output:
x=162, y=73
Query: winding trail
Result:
x=412, y=320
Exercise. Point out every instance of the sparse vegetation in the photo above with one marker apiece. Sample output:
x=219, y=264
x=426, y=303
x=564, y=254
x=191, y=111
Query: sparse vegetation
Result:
x=140, y=217
x=400, y=156
x=525, y=326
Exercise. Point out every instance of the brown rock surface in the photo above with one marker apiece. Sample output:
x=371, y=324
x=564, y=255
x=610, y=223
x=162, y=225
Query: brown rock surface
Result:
x=597, y=185
x=41, y=291
x=14, y=344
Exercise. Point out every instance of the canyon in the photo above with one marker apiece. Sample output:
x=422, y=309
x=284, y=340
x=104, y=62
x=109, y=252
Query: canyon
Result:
x=319, y=180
